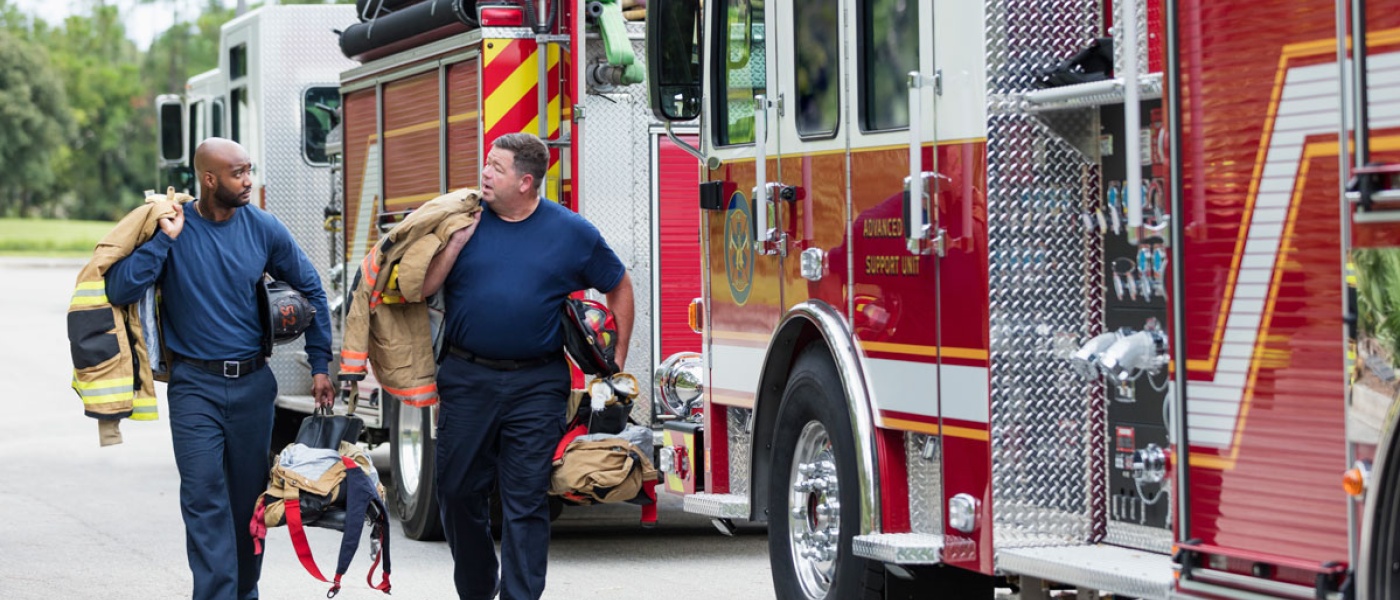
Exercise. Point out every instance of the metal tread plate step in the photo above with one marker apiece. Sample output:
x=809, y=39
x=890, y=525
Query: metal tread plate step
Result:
x=900, y=548
x=1101, y=567
x=724, y=506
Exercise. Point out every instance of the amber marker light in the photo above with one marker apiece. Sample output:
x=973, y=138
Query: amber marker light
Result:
x=695, y=315
x=1354, y=482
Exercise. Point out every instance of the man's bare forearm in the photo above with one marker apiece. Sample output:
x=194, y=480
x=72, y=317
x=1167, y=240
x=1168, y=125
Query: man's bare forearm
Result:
x=622, y=303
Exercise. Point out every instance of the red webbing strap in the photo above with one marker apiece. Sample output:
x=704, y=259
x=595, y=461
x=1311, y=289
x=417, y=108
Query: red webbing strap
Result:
x=258, y=527
x=298, y=533
x=383, y=585
x=568, y=438
x=649, y=510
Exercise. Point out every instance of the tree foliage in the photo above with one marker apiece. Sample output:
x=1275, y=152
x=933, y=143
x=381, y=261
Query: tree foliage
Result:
x=77, y=121
x=34, y=124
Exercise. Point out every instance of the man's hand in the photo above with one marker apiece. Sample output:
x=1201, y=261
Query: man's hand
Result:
x=173, y=225
x=442, y=262
x=322, y=391
x=460, y=237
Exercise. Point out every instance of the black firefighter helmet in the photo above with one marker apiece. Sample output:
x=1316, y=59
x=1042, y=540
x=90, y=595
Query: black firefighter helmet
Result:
x=289, y=312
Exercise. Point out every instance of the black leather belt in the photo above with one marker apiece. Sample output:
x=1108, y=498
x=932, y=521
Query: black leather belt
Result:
x=504, y=364
x=232, y=369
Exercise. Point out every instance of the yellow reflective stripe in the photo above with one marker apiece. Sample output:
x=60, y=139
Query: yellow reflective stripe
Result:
x=144, y=409
x=103, y=391
x=89, y=398
x=89, y=293
x=79, y=384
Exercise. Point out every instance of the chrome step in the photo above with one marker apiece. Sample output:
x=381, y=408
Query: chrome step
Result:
x=1099, y=567
x=724, y=506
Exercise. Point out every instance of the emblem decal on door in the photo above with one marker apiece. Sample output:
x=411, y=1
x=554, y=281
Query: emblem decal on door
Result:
x=738, y=247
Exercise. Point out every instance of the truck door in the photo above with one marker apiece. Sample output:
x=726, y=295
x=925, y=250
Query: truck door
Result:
x=746, y=295
x=173, y=163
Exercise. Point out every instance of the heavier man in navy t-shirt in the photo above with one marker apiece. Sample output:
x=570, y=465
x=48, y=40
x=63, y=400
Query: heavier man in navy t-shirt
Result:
x=504, y=382
x=506, y=289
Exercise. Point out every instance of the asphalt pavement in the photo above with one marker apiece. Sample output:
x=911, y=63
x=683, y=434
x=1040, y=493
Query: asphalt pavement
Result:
x=83, y=521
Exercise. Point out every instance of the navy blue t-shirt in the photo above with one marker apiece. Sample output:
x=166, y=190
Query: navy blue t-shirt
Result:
x=506, y=291
x=208, y=279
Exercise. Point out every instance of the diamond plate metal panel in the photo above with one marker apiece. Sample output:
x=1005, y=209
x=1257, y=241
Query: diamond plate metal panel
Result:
x=740, y=450
x=1151, y=539
x=1117, y=32
x=900, y=548
x=616, y=195
x=295, y=50
x=925, y=484
x=1104, y=568
x=724, y=506
x=1042, y=281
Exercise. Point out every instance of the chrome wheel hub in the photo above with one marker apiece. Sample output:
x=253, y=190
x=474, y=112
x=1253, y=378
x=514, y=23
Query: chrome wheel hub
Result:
x=814, y=519
x=410, y=441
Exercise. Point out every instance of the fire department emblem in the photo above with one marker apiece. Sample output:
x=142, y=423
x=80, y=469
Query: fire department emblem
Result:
x=738, y=248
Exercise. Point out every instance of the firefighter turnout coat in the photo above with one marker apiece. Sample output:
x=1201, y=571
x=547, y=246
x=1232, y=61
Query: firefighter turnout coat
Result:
x=388, y=323
x=112, y=355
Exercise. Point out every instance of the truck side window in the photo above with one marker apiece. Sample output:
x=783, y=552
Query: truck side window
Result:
x=816, y=66
x=216, y=119
x=889, y=50
x=740, y=48
x=318, y=117
x=196, y=129
x=239, y=124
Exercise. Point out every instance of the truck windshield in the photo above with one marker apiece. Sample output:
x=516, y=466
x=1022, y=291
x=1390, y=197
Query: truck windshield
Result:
x=319, y=105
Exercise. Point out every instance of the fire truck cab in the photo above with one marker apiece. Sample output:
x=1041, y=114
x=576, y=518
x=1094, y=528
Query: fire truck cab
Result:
x=1042, y=294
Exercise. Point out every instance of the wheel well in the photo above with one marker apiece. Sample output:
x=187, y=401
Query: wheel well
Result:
x=795, y=337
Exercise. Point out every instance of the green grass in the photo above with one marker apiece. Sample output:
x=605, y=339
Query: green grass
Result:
x=50, y=237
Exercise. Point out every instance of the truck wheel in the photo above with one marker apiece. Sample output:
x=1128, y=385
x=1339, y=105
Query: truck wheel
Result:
x=1383, y=564
x=411, y=454
x=814, y=498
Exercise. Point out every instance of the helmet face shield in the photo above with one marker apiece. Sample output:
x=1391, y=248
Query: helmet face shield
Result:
x=289, y=311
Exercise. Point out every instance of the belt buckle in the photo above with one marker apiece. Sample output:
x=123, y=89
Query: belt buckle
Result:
x=231, y=369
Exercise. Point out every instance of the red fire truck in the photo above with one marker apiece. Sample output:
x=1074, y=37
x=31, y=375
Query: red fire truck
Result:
x=978, y=315
x=437, y=83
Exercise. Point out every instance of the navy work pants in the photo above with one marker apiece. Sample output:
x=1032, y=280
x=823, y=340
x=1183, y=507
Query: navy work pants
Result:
x=498, y=426
x=221, y=429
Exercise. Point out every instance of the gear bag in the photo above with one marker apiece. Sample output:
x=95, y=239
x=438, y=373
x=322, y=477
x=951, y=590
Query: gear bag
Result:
x=324, y=479
x=602, y=471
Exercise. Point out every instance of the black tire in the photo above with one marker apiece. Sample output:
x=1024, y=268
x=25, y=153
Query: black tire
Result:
x=813, y=403
x=412, y=456
x=1382, y=575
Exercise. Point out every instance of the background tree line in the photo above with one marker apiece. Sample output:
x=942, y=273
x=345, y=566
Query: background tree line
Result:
x=77, y=121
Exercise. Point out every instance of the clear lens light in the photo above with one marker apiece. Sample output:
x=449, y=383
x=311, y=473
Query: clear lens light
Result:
x=962, y=513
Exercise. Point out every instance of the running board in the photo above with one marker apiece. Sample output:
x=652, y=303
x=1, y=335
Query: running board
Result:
x=900, y=548
x=723, y=506
x=1100, y=567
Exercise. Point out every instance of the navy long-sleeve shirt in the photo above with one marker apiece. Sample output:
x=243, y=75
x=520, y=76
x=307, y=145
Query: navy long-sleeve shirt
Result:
x=208, y=279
